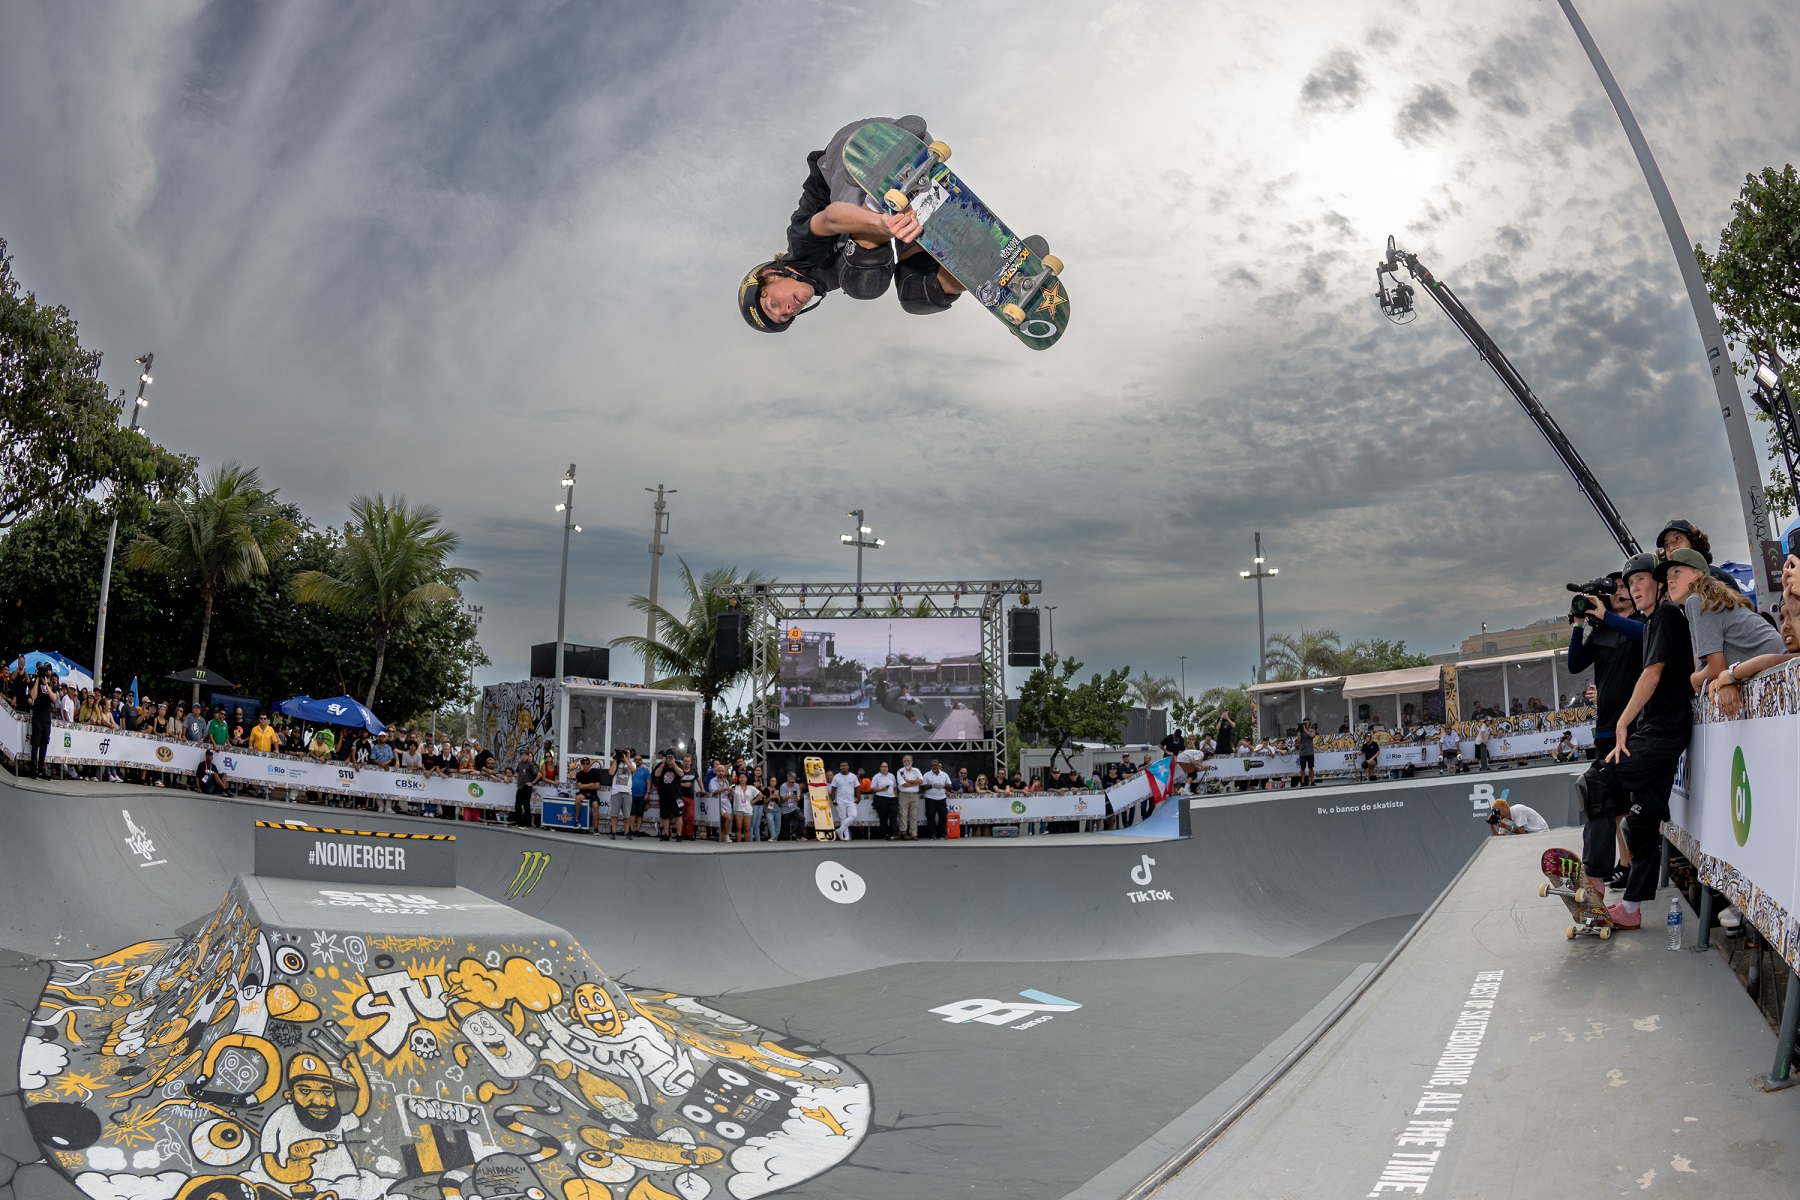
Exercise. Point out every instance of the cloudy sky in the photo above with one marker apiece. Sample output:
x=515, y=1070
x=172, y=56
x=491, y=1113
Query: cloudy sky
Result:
x=444, y=250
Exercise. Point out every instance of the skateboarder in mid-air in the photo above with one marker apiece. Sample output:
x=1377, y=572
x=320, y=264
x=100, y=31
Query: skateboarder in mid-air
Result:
x=839, y=238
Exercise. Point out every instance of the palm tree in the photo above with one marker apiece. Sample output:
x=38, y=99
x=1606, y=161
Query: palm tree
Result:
x=216, y=533
x=391, y=570
x=682, y=650
x=1314, y=653
x=1152, y=691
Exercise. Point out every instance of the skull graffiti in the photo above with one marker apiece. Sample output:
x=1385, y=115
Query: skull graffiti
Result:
x=424, y=1043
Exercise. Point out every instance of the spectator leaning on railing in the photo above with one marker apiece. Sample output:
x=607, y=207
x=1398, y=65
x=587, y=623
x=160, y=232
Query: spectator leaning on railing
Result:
x=1723, y=687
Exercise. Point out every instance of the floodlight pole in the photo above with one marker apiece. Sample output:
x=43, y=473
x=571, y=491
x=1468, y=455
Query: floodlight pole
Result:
x=1262, y=639
x=567, y=509
x=1718, y=355
x=1183, y=659
x=112, y=531
x=862, y=541
x=659, y=525
x=1050, y=620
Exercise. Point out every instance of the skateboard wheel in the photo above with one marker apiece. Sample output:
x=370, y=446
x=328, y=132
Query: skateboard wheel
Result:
x=1582, y=895
x=1605, y=932
x=896, y=200
x=1570, y=933
x=941, y=150
x=1013, y=313
x=1543, y=890
x=1053, y=264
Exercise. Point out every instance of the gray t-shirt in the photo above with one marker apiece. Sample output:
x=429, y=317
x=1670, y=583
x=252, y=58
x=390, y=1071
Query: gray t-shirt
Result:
x=1738, y=633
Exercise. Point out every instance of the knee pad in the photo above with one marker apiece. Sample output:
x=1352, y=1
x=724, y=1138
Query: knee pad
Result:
x=864, y=274
x=916, y=284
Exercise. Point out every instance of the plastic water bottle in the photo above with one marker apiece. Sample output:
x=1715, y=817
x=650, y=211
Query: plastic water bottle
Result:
x=1674, y=923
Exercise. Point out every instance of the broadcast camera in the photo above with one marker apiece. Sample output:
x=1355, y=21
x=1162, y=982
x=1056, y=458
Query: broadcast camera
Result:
x=1592, y=596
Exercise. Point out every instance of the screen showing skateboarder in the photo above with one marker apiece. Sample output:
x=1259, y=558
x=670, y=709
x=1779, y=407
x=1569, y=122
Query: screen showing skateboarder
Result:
x=882, y=679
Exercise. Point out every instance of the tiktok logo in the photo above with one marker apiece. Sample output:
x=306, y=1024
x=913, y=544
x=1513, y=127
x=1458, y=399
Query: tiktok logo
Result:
x=1141, y=875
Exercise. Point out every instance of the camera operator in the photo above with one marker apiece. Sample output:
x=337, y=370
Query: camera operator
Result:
x=1652, y=734
x=1606, y=636
x=42, y=699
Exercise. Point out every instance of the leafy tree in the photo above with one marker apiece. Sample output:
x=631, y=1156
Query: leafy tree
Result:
x=1314, y=653
x=730, y=736
x=1755, y=284
x=1057, y=711
x=1234, y=699
x=391, y=569
x=1380, y=654
x=60, y=432
x=1152, y=691
x=682, y=650
x=217, y=533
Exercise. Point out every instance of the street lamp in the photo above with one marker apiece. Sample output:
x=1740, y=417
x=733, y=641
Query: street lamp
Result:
x=1262, y=641
x=474, y=611
x=862, y=541
x=659, y=525
x=1183, y=659
x=112, y=532
x=567, y=509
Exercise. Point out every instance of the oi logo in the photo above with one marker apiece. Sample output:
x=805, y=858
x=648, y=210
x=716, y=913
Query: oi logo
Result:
x=1740, y=797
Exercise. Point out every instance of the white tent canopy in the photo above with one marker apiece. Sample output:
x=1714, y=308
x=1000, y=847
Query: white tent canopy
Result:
x=1394, y=683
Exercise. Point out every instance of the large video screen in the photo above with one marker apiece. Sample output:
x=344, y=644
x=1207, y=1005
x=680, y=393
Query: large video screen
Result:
x=895, y=679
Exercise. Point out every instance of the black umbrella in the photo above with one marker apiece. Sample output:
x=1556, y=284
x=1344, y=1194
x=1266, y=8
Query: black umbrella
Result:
x=200, y=675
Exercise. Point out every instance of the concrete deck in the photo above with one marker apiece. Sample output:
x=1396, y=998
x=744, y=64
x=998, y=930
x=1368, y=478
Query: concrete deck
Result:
x=1602, y=1068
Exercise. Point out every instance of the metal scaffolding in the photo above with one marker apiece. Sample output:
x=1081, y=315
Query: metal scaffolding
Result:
x=769, y=606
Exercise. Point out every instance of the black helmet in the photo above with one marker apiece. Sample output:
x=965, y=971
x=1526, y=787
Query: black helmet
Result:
x=1638, y=564
x=750, y=297
x=1696, y=538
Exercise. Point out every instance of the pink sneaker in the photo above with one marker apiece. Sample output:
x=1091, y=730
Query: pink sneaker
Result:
x=1624, y=920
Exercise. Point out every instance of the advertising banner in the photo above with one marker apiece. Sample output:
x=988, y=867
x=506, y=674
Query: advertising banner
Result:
x=1735, y=811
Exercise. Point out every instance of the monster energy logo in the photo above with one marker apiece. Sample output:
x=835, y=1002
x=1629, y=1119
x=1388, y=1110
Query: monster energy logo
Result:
x=531, y=869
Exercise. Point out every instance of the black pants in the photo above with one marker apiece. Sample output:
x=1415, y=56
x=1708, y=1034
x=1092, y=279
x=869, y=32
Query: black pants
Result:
x=887, y=815
x=1645, y=775
x=40, y=745
x=522, y=807
x=937, y=812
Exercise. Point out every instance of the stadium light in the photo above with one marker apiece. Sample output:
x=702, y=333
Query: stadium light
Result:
x=1262, y=640
x=862, y=541
x=567, y=508
x=112, y=533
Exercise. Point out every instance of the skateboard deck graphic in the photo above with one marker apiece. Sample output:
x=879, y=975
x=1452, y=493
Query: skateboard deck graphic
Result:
x=824, y=827
x=1566, y=879
x=1020, y=287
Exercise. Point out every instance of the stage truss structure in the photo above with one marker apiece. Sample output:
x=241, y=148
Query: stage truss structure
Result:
x=769, y=606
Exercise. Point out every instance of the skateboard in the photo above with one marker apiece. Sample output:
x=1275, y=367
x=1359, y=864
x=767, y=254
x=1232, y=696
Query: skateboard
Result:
x=824, y=827
x=1020, y=287
x=1566, y=879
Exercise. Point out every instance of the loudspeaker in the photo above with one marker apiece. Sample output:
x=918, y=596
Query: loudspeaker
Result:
x=729, y=655
x=590, y=662
x=1022, y=638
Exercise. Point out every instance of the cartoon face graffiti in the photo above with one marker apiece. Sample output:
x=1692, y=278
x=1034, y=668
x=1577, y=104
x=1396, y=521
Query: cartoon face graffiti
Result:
x=594, y=1007
x=505, y=1053
x=315, y=1104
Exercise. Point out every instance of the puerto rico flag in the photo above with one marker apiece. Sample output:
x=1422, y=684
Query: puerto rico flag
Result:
x=1157, y=773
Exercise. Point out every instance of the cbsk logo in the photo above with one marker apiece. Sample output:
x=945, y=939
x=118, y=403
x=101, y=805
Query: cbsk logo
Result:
x=405, y=784
x=1004, y=1012
x=1740, y=797
x=1481, y=797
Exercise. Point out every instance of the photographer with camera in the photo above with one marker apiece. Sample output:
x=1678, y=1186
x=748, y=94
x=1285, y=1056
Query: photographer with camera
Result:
x=1604, y=634
x=41, y=697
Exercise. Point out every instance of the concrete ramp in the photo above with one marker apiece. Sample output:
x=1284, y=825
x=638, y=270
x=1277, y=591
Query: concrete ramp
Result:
x=1024, y=1012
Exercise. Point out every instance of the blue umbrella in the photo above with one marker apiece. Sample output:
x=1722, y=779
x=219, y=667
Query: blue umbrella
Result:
x=66, y=669
x=338, y=710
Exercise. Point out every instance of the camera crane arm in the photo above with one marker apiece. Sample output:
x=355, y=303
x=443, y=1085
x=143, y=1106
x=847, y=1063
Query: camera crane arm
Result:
x=1396, y=299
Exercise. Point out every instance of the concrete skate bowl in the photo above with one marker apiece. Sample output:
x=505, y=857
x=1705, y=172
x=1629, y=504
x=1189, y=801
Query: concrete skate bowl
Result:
x=1022, y=1016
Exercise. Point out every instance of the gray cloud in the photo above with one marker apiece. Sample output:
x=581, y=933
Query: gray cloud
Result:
x=1336, y=84
x=1428, y=111
x=446, y=249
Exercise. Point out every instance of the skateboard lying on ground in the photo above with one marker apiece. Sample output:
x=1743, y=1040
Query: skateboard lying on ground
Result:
x=824, y=828
x=1016, y=283
x=1566, y=879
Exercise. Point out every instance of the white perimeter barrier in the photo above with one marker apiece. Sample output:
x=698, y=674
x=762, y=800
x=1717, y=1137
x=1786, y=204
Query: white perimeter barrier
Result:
x=1735, y=811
